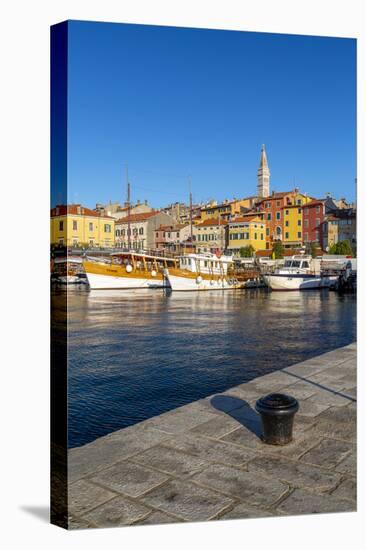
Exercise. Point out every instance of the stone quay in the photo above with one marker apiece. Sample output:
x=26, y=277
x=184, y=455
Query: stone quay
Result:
x=206, y=460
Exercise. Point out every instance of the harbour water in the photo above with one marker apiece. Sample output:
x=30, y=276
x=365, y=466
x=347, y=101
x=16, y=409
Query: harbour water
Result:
x=137, y=354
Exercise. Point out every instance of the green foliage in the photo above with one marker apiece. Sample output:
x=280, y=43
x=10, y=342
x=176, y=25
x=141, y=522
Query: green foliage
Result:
x=342, y=248
x=246, y=251
x=277, y=250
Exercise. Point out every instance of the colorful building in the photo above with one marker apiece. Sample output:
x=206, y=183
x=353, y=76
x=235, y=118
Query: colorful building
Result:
x=210, y=235
x=293, y=236
x=76, y=225
x=227, y=209
x=172, y=237
x=272, y=211
x=246, y=231
x=313, y=214
x=138, y=230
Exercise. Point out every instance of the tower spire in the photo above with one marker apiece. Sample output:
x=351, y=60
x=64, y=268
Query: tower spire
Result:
x=263, y=175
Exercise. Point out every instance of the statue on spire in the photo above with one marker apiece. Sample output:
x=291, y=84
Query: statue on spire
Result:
x=263, y=175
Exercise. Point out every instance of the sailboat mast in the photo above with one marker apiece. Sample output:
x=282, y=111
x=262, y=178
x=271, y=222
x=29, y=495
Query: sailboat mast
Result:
x=128, y=210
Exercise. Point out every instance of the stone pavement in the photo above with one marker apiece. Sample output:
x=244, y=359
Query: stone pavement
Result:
x=206, y=461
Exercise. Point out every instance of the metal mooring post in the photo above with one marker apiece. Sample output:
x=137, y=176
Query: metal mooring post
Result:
x=277, y=412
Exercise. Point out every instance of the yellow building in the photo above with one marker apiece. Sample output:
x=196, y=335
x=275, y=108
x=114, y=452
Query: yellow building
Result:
x=292, y=221
x=75, y=225
x=246, y=231
x=227, y=208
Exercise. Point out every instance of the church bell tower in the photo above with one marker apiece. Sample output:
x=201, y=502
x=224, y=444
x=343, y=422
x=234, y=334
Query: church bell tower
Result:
x=263, y=175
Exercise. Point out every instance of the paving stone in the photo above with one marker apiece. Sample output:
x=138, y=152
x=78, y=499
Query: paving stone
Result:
x=181, y=419
x=310, y=407
x=294, y=473
x=83, y=495
x=301, y=390
x=112, y=448
x=246, y=438
x=217, y=427
x=304, y=502
x=75, y=522
x=348, y=465
x=171, y=461
x=346, y=489
x=211, y=450
x=328, y=398
x=306, y=369
x=129, y=478
x=243, y=511
x=338, y=423
x=187, y=500
x=116, y=512
x=328, y=453
x=158, y=518
x=251, y=488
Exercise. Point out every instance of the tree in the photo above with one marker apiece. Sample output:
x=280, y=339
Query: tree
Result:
x=343, y=248
x=277, y=250
x=313, y=250
x=246, y=251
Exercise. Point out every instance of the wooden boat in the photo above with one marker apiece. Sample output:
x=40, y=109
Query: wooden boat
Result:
x=200, y=272
x=127, y=270
x=68, y=270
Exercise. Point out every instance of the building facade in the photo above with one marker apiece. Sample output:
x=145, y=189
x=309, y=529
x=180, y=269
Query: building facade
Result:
x=138, y=230
x=210, y=235
x=313, y=214
x=227, y=209
x=76, y=225
x=246, y=231
x=172, y=237
x=116, y=211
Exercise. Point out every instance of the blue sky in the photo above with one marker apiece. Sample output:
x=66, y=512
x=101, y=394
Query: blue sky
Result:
x=177, y=103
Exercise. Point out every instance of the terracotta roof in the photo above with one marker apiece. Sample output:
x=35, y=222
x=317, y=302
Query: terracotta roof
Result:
x=263, y=253
x=313, y=203
x=276, y=196
x=137, y=217
x=211, y=221
x=246, y=219
x=175, y=227
x=75, y=210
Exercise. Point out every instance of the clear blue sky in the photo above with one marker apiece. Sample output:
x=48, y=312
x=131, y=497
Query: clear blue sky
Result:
x=174, y=103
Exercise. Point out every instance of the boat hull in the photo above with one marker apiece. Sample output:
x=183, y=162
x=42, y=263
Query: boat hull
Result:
x=197, y=284
x=297, y=282
x=105, y=282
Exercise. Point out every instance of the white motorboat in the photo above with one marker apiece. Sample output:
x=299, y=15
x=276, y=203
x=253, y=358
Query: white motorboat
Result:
x=300, y=272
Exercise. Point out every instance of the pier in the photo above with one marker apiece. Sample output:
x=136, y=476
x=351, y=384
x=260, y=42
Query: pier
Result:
x=206, y=460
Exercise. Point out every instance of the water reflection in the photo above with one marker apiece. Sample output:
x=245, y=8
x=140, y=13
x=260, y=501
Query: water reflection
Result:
x=136, y=354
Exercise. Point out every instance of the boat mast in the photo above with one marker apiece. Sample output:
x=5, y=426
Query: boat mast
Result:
x=128, y=211
x=190, y=212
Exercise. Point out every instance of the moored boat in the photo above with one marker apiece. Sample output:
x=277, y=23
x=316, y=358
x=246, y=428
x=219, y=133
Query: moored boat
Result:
x=68, y=270
x=200, y=272
x=300, y=272
x=127, y=270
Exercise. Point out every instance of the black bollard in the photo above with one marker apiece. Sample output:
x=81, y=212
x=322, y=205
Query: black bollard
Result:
x=277, y=412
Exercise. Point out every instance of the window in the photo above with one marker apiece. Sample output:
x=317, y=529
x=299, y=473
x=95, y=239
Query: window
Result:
x=286, y=235
x=317, y=222
x=278, y=215
x=299, y=234
x=299, y=210
x=306, y=210
x=306, y=237
x=268, y=205
x=286, y=212
x=90, y=227
x=157, y=234
x=74, y=225
x=177, y=234
x=61, y=226
x=141, y=231
x=267, y=231
x=305, y=264
x=262, y=236
x=255, y=236
x=299, y=201
x=269, y=216
x=278, y=203
x=318, y=209
x=169, y=235
x=299, y=223
x=246, y=236
x=107, y=228
x=118, y=232
x=123, y=232
x=75, y=241
x=306, y=223
x=286, y=223
x=278, y=231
